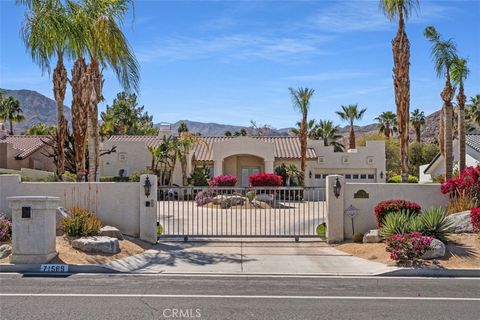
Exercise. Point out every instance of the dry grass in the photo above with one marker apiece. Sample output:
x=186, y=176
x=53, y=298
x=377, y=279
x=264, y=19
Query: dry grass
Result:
x=460, y=204
x=463, y=251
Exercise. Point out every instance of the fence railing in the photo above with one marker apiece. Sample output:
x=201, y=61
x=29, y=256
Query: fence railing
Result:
x=240, y=212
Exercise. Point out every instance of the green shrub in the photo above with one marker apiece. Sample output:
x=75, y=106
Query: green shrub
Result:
x=81, y=223
x=434, y=223
x=398, y=179
x=399, y=223
x=135, y=176
x=69, y=177
x=114, y=179
x=49, y=178
x=199, y=177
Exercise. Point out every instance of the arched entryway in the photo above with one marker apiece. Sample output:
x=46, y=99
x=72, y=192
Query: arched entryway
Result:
x=243, y=166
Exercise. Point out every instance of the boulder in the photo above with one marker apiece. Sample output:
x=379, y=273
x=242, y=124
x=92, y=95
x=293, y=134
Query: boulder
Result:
x=263, y=197
x=61, y=214
x=226, y=200
x=372, y=236
x=112, y=232
x=437, y=250
x=5, y=250
x=461, y=222
x=97, y=244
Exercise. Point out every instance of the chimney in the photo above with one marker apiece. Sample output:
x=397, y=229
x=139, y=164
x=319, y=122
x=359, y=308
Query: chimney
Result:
x=3, y=131
x=165, y=130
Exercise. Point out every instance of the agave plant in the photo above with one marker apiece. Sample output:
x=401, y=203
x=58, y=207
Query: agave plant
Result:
x=434, y=223
x=400, y=222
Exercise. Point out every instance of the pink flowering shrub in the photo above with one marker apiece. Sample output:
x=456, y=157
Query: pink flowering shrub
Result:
x=265, y=180
x=389, y=206
x=475, y=218
x=5, y=228
x=408, y=247
x=467, y=184
x=223, y=181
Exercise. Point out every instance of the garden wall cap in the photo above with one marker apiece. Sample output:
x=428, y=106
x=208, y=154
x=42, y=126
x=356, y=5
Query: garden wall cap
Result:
x=36, y=202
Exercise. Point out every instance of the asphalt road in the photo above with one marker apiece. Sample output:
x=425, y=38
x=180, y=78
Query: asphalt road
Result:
x=236, y=297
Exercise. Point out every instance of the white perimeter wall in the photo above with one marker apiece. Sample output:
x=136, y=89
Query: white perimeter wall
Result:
x=426, y=195
x=116, y=204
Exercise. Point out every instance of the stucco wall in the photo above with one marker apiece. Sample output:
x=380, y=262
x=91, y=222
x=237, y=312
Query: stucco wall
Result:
x=115, y=204
x=426, y=195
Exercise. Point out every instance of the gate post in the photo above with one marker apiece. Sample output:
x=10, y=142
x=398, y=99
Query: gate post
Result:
x=335, y=209
x=148, y=209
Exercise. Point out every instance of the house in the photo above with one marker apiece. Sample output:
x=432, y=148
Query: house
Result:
x=17, y=152
x=436, y=168
x=245, y=156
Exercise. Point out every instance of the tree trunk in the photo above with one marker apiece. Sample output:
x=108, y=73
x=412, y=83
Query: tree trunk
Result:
x=447, y=95
x=351, y=138
x=59, y=88
x=10, y=120
x=95, y=98
x=418, y=133
x=461, y=98
x=303, y=142
x=401, y=80
x=441, y=132
x=81, y=91
x=387, y=132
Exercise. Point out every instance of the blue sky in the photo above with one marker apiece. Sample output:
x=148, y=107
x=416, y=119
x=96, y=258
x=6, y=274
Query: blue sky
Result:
x=233, y=61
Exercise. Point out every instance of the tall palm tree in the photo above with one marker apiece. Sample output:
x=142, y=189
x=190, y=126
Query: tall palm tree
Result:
x=401, y=10
x=444, y=53
x=182, y=127
x=328, y=132
x=11, y=111
x=387, y=123
x=46, y=33
x=351, y=113
x=301, y=102
x=310, y=129
x=417, y=120
x=459, y=73
x=473, y=111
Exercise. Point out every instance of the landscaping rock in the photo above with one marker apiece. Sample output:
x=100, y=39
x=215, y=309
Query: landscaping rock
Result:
x=226, y=201
x=437, y=250
x=5, y=250
x=265, y=197
x=461, y=222
x=109, y=231
x=372, y=236
x=61, y=214
x=97, y=244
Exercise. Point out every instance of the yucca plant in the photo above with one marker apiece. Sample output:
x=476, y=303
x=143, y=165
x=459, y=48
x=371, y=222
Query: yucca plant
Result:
x=400, y=223
x=434, y=223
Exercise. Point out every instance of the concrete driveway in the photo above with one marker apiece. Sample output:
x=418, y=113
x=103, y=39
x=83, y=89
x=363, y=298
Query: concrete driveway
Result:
x=248, y=256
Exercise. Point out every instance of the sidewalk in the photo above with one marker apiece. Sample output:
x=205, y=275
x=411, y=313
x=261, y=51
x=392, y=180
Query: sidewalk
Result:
x=248, y=256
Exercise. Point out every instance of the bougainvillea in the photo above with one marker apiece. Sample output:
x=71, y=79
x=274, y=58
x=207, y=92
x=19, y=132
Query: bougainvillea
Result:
x=475, y=218
x=388, y=206
x=223, y=181
x=467, y=184
x=265, y=180
x=5, y=228
x=408, y=247
x=203, y=197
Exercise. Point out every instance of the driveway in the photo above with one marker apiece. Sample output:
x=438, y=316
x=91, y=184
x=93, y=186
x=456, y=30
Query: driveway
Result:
x=248, y=256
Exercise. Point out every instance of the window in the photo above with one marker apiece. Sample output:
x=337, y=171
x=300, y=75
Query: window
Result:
x=355, y=176
x=371, y=177
x=363, y=176
x=210, y=172
x=370, y=160
x=318, y=176
x=348, y=176
x=321, y=160
x=122, y=156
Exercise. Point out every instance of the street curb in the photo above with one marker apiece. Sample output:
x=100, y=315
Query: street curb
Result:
x=72, y=268
x=436, y=273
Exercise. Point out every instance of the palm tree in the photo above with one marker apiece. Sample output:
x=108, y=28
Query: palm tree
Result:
x=301, y=101
x=473, y=111
x=46, y=33
x=328, y=132
x=40, y=129
x=310, y=129
x=10, y=111
x=186, y=141
x=182, y=127
x=292, y=173
x=459, y=72
x=401, y=10
x=444, y=53
x=387, y=123
x=417, y=120
x=351, y=113
x=228, y=133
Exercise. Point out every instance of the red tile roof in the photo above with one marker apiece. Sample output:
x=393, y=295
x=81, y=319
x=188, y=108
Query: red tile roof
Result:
x=285, y=147
x=26, y=145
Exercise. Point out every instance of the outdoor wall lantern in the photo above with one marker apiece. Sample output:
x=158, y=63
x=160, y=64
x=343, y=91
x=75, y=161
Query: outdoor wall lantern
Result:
x=381, y=174
x=352, y=212
x=337, y=187
x=147, y=186
x=310, y=174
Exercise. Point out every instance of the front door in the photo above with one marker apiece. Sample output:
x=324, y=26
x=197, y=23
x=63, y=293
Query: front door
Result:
x=246, y=173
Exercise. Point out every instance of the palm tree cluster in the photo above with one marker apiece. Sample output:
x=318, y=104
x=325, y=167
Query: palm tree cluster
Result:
x=88, y=32
x=10, y=111
x=323, y=130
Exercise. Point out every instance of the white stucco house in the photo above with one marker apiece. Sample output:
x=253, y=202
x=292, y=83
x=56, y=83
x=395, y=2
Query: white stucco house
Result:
x=436, y=168
x=244, y=156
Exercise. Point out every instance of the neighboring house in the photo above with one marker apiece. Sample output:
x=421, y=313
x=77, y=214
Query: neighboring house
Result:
x=17, y=152
x=436, y=168
x=244, y=156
